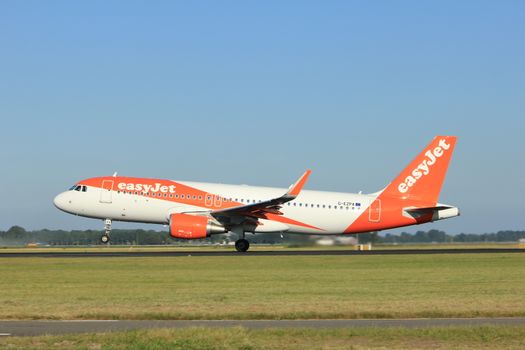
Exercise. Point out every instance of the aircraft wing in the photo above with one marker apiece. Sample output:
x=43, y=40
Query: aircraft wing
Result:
x=261, y=209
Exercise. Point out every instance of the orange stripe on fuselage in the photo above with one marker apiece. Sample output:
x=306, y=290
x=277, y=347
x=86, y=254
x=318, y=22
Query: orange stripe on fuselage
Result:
x=391, y=216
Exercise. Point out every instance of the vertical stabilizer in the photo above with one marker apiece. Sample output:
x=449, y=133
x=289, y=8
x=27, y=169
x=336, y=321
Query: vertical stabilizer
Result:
x=422, y=179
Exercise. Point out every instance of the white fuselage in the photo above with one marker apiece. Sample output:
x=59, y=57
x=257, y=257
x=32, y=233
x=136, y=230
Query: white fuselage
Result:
x=328, y=212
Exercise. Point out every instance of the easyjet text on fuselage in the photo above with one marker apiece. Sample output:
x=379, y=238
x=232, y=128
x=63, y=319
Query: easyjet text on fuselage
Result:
x=155, y=188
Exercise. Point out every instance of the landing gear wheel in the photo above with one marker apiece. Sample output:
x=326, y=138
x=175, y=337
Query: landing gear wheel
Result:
x=107, y=230
x=242, y=245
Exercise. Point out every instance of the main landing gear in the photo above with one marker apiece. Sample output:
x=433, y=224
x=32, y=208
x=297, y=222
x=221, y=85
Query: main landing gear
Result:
x=107, y=230
x=242, y=245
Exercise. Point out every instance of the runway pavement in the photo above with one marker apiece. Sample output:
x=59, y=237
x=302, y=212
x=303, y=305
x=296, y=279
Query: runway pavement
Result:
x=288, y=252
x=33, y=328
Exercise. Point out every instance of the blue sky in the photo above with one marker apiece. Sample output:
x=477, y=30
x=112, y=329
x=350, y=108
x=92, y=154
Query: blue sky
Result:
x=257, y=91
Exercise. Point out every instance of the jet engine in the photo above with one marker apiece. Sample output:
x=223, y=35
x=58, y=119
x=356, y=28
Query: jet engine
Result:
x=193, y=227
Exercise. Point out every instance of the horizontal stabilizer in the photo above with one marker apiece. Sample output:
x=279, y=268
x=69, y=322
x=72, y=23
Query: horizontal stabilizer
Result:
x=439, y=212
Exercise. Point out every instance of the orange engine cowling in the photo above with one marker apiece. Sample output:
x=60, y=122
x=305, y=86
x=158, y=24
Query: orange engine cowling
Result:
x=192, y=226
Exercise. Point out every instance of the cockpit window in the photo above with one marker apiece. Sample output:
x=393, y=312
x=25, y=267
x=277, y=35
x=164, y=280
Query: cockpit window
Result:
x=80, y=188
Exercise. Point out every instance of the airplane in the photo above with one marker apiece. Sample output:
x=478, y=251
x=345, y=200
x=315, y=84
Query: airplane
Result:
x=195, y=210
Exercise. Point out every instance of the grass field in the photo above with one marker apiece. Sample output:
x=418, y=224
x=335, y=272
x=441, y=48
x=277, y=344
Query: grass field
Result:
x=168, y=248
x=286, y=339
x=251, y=287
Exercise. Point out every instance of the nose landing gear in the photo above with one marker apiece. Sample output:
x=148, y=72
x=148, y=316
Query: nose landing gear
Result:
x=107, y=230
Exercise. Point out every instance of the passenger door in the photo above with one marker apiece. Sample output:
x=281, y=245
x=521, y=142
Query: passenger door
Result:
x=106, y=191
x=374, y=211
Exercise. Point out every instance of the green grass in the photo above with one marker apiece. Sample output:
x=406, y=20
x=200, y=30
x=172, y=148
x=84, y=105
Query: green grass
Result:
x=484, y=337
x=255, y=287
x=254, y=247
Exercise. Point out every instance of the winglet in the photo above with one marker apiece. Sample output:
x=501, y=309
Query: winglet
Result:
x=296, y=188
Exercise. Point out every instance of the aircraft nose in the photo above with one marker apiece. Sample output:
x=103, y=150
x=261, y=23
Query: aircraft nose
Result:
x=60, y=201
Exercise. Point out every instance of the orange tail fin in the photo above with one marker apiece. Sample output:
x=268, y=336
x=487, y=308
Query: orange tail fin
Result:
x=422, y=179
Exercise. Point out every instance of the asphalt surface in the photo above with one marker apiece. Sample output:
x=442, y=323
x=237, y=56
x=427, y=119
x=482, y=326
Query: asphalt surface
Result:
x=34, y=328
x=232, y=252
